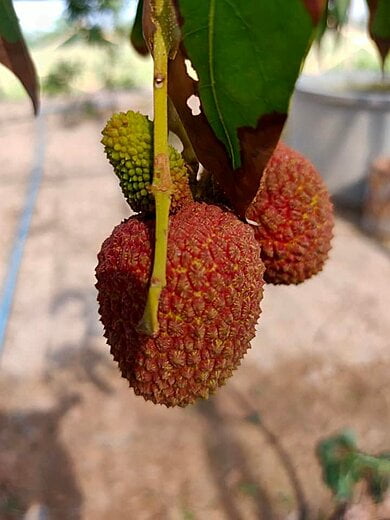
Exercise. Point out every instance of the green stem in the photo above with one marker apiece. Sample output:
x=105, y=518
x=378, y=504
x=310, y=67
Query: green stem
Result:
x=381, y=465
x=176, y=126
x=162, y=184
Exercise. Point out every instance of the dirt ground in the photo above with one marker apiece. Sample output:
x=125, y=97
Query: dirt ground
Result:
x=75, y=443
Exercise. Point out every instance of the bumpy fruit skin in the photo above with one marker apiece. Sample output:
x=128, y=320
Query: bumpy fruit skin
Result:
x=294, y=216
x=128, y=144
x=207, y=312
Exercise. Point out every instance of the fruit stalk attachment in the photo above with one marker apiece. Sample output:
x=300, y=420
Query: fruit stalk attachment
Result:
x=162, y=183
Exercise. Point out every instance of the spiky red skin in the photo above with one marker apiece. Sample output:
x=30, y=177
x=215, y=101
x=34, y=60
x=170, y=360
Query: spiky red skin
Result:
x=208, y=309
x=295, y=218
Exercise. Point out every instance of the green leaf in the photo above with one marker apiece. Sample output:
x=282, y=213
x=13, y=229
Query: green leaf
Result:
x=14, y=53
x=247, y=55
x=381, y=18
x=240, y=62
x=378, y=482
x=379, y=26
x=137, y=36
x=343, y=466
x=341, y=8
x=337, y=455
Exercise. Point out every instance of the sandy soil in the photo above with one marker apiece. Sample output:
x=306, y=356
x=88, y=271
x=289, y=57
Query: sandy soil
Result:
x=75, y=443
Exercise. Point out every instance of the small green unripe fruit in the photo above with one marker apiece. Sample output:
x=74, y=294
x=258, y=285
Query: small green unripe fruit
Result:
x=128, y=144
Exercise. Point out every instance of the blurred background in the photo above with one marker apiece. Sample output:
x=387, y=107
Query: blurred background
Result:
x=75, y=443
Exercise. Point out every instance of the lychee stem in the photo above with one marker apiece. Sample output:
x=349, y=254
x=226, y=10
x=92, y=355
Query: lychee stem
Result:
x=176, y=126
x=162, y=183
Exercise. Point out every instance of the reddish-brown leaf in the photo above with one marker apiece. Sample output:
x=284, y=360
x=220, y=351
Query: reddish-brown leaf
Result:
x=315, y=8
x=168, y=21
x=15, y=56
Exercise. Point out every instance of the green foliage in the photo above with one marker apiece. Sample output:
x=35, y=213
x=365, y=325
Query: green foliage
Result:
x=83, y=19
x=334, y=17
x=248, y=488
x=338, y=456
x=90, y=35
x=60, y=78
x=379, y=483
x=112, y=80
x=188, y=515
x=363, y=59
x=343, y=466
x=80, y=10
x=247, y=56
x=9, y=25
x=137, y=37
x=381, y=20
x=379, y=26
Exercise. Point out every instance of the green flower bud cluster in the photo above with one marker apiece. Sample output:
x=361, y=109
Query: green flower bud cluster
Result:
x=128, y=144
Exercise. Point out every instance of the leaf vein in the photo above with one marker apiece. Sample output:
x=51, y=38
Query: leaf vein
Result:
x=257, y=52
x=213, y=82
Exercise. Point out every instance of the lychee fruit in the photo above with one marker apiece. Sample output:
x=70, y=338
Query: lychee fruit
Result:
x=128, y=144
x=207, y=312
x=294, y=219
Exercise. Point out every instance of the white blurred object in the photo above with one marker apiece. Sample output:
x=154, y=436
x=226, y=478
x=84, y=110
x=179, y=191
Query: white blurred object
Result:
x=36, y=512
x=339, y=122
x=358, y=11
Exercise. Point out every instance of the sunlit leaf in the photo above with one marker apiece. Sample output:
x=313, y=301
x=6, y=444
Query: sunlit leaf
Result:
x=247, y=56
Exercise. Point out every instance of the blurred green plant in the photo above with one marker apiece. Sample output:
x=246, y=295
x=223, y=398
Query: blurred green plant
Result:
x=343, y=466
x=82, y=10
x=113, y=79
x=84, y=17
x=93, y=35
x=60, y=78
x=336, y=15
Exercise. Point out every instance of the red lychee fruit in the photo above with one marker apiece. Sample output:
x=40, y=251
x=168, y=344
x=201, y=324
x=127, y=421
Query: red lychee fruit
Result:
x=295, y=218
x=208, y=309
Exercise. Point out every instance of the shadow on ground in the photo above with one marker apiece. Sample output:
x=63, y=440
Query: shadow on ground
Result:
x=35, y=466
x=246, y=454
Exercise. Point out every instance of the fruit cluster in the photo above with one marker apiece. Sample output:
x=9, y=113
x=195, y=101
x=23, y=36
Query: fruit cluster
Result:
x=216, y=264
